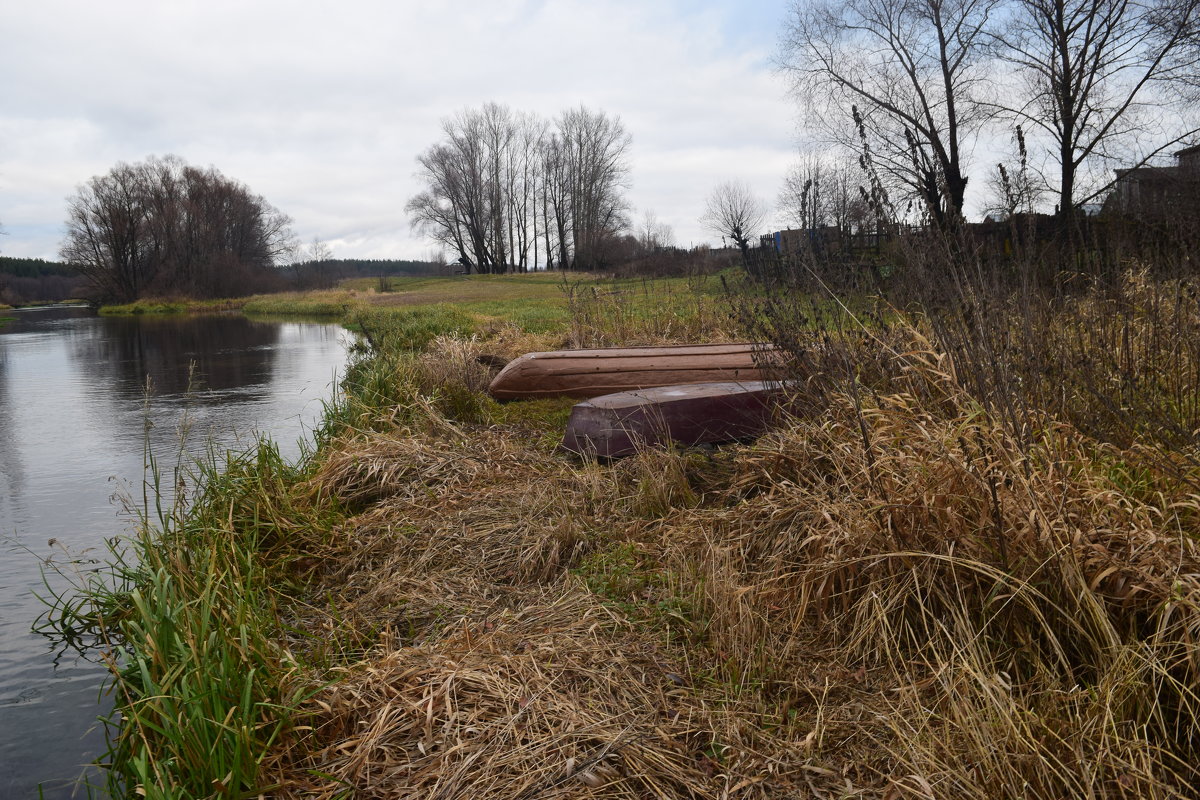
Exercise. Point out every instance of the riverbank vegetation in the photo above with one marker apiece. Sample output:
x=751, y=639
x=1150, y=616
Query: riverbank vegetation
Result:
x=965, y=568
x=172, y=306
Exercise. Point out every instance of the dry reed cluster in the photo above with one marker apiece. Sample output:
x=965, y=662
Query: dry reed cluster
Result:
x=886, y=597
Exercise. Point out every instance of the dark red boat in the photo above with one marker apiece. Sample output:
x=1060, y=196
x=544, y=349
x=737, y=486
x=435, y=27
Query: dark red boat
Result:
x=620, y=424
x=591, y=373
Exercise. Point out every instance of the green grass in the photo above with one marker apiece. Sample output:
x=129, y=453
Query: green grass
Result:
x=144, y=307
x=465, y=304
x=187, y=614
x=545, y=419
x=172, y=306
x=306, y=304
x=411, y=328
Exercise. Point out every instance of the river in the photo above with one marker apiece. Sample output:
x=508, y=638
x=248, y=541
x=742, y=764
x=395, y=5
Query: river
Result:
x=74, y=415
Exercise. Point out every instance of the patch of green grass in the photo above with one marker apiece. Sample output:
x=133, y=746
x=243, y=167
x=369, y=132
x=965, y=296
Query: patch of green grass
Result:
x=546, y=417
x=186, y=614
x=312, y=304
x=5, y=320
x=144, y=307
x=642, y=590
x=173, y=306
x=541, y=315
x=411, y=327
x=617, y=573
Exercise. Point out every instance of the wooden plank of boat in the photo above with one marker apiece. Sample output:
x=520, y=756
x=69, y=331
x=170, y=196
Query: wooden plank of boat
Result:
x=619, y=424
x=592, y=373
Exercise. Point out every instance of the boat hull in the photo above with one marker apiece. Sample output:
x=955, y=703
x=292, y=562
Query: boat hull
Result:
x=592, y=373
x=620, y=424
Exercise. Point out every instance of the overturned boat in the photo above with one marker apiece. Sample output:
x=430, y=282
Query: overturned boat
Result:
x=592, y=373
x=620, y=424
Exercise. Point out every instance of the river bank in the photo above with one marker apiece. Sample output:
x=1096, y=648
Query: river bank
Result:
x=888, y=597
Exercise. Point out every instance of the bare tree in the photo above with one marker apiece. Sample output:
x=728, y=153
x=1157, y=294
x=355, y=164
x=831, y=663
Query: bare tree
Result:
x=481, y=185
x=556, y=201
x=654, y=234
x=820, y=191
x=733, y=210
x=524, y=181
x=456, y=209
x=913, y=68
x=306, y=265
x=1104, y=82
x=595, y=149
x=106, y=234
x=163, y=226
x=319, y=250
x=500, y=178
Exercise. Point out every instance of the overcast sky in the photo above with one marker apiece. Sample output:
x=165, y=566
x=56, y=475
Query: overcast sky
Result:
x=322, y=107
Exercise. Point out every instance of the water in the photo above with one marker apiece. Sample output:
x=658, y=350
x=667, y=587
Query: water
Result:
x=73, y=419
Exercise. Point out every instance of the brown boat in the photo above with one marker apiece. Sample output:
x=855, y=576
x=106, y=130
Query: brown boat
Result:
x=592, y=373
x=620, y=424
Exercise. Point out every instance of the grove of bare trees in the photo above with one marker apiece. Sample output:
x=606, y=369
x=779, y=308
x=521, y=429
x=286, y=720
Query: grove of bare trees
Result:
x=913, y=85
x=820, y=191
x=653, y=234
x=162, y=227
x=510, y=191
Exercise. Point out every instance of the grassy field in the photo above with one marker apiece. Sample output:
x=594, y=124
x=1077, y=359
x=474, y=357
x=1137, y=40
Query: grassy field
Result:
x=586, y=306
x=895, y=594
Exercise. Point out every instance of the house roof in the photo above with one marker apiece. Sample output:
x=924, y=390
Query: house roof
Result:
x=1187, y=151
x=1146, y=173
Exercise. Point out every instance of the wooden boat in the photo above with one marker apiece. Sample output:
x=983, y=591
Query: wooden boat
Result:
x=619, y=424
x=592, y=373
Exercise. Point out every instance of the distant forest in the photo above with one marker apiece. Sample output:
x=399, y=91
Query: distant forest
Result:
x=35, y=280
x=34, y=267
x=327, y=273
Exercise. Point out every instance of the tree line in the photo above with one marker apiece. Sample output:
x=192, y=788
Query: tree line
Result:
x=1084, y=86
x=510, y=191
x=34, y=268
x=163, y=227
x=34, y=280
x=325, y=273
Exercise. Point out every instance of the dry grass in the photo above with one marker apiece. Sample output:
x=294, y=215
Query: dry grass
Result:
x=556, y=698
x=888, y=599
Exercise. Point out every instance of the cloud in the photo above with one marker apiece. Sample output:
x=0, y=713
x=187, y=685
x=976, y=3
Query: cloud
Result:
x=323, y=112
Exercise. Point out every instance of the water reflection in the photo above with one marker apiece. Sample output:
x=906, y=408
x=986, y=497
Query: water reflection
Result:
x=12, y=471
x=72, y=426
x=232, y=354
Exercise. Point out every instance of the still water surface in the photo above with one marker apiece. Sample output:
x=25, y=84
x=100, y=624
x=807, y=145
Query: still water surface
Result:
x=73, y=419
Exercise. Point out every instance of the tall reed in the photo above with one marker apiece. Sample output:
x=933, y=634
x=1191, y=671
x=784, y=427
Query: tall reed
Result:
x=185, y=617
